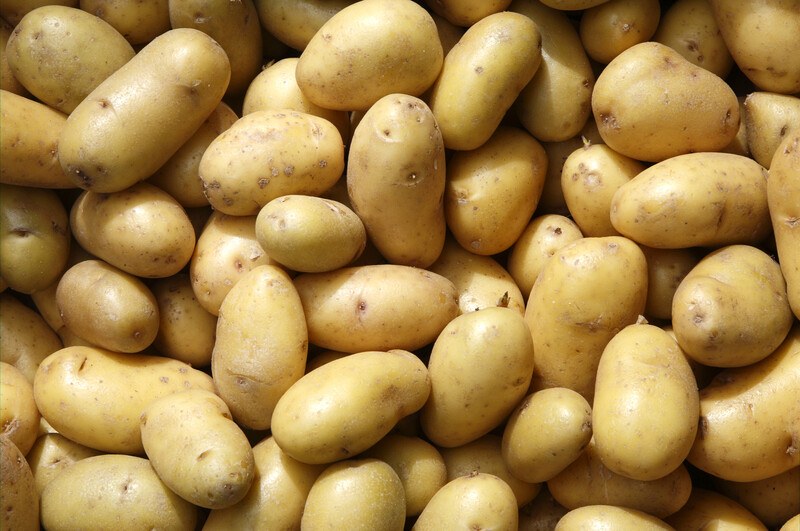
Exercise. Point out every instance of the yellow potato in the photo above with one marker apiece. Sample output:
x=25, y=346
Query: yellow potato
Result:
x=159, y=98
x=13, y=10
x=449, y=33
x=482, y=76
x=707, y=509
x=18, y=495
x=396, y=179
x=376, y=307
x=588, y=291
x=25, y=337
x=731, y=309
x=138, y=22
x=294, y=22
x=748, y=418
x=7, y=80
x=480, y=368
x=783, y=188
x=102, y=491
x=53, y=453
x=95, y=397
x=666, y=268
x=19, y=417
x=346, y=406
x=773, y=500
x=367, y=50
x=261, y=345
x=608, y=29
x=466, y=13
x=60, y=54
x=790, y=524
x=492, y=191
x=610, y=517
x=546, y=432
x=692, y=200
x=573, y=5
x=768, y=119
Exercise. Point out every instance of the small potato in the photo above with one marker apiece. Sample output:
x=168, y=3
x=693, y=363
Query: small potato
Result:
x=612, y=27
x=492, y=191
x=773, y=500
x=104, y=490
x=160, y=98
x=546, y=432
x=707, y=509
x=477, y=500
x=51, y=454
x=118, y=387
x=60, y=54
x=107, y=307
x=367, y=50
x=347, y=405
x=34, y=237
x=18, y=496
x=360, y=494
x=376, y=307
x=480, y=368
x=482, y=76
x=768, y=118
x=294, y=22
x=19, y=417
x=610, y=517
x=731, y=309
x=666, y=268
x=25, y=337
x=783, y=188
x=310, y=234
x=466, y=13
x=139, y=23
x=261, y=345
x=289, y=152
x=694, y=200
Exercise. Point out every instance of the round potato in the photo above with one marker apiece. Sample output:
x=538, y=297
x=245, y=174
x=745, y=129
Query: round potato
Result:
x=53, y=453
x=707, y=509
x=19, y=417
x=610, y=517
x=25, y=337
x=7, y=80
x=768, y=118
x=612, y=27
x=18, y=495
x=139, y=23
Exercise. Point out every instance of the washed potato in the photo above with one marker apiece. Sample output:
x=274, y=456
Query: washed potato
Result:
x=25, y=337
x=139, y=23
x=466, y=13
x=773, y=500
x=482, y=76
x=289, y=152
x=586, y=292
x=707, y=509
x=731, y=309
x=19, y=417
x=542, y=514
x=546, y=432
x=100, y=492
x=18, y=495
x=492, y=191
x=573, y=5
x=308, y=419
x=295, y=22
x=768, y=118
x=396, y=179
x=697, y=199
x=118, y=386
x=480, y=368
x=612, y=27
x=261, y=345
x=610, y=517
x=666, y=268
x=748, y=418
x=51, y=454
x=13, y=10
x=277, y=497
x=376, y=307
x=60, y=54
x=651, y=104
x=160, y=97
x=782, y=190
x=449, y=33
x=7, y=80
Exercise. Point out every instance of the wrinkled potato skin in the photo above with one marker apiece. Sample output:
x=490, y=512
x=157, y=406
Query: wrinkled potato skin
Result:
x=19, y=417
x=18, y=497
x=25, y=337
x=138, y=22
x=52, y=453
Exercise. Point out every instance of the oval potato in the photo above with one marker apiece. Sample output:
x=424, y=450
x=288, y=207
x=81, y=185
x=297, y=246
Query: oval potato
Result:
x=25, y=337
x=19, y=417
x=18, y=497
x=610, y=517
x=707, y=509
x=294, y=22
x=139, y=23
x=51, y=454
x=773, y=500
x=612, y=27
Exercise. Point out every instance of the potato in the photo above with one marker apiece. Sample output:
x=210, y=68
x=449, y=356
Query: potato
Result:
x=782, y=190
x=295, y=22
x=289, y=152
x=25, y=337
x=608, y=29
x=587, y=292
x=277, y=497
x=731, y=309
x=139, y=23
x=368, y=50
x=542, y=514
x=573, y=5
x=419, y=465
x=7, y=80
x=609, y=517
x=118, y=387
x=590, y=177
x=53, y=453
x=773, y=500
x=346, y=406
x=666, y=268
x=261, y=346
x=180, y=176
x=396, y=179
x=19, y=417
x=760, y=38
x=768, y=118
x=18, y=495
x=791, y=523
x=359, y=494
x=748, y=418
x=480, y=368
x=461, y=13
x=484, y=455
x=482, y=76
x=481, y=281
x=543, y=107
x=642, y=369
x=376, y=307
x=707, y=509
x=226, y=249
x=651, y=104
x=449, y=33
x=100, y=492
x=693, y=200
x=492, y=191
x=13, y=10
x=479, y=500
x=588, y=482
x=60, y=54
x=160, y=98
x=546, y=432
x=690, y=28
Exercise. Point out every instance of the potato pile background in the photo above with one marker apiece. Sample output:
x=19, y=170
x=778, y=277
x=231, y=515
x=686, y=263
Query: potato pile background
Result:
x=452, y=264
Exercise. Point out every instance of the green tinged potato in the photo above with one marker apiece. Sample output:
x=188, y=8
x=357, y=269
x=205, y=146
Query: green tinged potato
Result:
x=18, y=496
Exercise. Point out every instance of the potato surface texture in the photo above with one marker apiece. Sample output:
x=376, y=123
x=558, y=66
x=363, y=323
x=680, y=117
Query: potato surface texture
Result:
x=783, y=189
x=19, y=498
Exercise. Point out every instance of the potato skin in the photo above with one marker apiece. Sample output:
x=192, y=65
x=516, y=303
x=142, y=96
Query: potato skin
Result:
x=294, y=22
x=773, y=500
x=708, y=509
x=18, y=497
x=610, y=517
x=612, y=27
x=139, y=23
x=52, y=453
x=25, y=337
x=19, y=417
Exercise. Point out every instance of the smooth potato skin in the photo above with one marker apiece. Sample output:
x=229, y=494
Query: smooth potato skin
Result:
x=768, y=118
x=773, y=500
x=709, y=509
x=295, y=22
x=138, y=22
x=25, y=337
x=610, y=517
x=19, y=417
x=18, y=495
x=52, y=453
x=610, y=28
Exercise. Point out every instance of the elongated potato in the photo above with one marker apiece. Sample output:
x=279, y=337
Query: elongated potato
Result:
x=160, y=97
x=466, y=13
x=139, y=22
x=18, y=497
x=707, y=509
x=610, y=517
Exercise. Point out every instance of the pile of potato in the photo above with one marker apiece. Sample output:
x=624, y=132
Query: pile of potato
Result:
x=452, y=264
